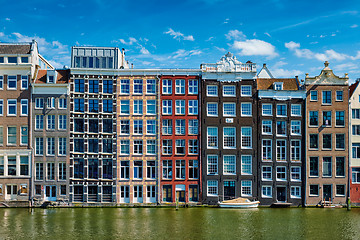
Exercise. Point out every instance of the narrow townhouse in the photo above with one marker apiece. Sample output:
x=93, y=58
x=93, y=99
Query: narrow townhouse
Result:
x=50, y=134
x=281, y=140
x=327, y=156
x=229, y=129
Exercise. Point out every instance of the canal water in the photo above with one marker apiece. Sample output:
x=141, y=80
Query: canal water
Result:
x=191, y=223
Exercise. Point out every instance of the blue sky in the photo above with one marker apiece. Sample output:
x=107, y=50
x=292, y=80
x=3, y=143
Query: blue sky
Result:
x=292, y=37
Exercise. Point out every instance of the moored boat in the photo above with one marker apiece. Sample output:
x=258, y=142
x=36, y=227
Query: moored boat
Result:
x=239, y=203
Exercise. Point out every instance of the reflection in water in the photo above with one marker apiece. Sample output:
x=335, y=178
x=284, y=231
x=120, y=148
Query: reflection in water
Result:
x=167, y=223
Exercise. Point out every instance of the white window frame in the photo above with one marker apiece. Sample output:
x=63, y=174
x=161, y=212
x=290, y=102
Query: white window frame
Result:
x=193, y=107
x=193, y=86
x=1, y=107
x=150, y=127
x=294, y=111
x=266, y=195
x=295, y=127
x=278, y=115
x=229, y=164
x=212, y=160
x=280, y=150
x=24, y=79
x=233, y=110
x=50, y=146
x=243, y=186
x=246, y=112
x=138, y=110
x=167, y=108
x=246, y=90
x=13, y=105
x=180, y=86
x=180, y=107
x=193, y=129
x=62, y=102
x=214, y=185
x=280, y=172
x=227, y=137
x=295, y=192
x=243, y=138
x=8, y=78
x=138, y=82
x=124, y=87
x=50, y=122
x=295, y=150
x=212, y=109
x=24, y=103
x=246, y=163
x=208, y=90
x=263, y=110
x=266, y=124
x=217, y=137
x=62, y=146
x=230, y=87
x=152, y=84
x=166, y=87
x=294, y=173
x=39, y=103
x=62, y=122
x=265, y=171
x=152, y=104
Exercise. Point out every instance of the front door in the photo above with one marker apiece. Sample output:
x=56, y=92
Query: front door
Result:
x=327, y=192
x=229, y=190
x=180, y=196
x=193, y=193
x=11, y=192
x=50, y=193
x=281, y=194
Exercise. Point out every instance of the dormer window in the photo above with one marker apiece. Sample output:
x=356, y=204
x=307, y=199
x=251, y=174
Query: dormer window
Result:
x=1, y=59
x=24, y=59
x=51, y=76
x=12, y=59
x=278, y=86
x=51, y=79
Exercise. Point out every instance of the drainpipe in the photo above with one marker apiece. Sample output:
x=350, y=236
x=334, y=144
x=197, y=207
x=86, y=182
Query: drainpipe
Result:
x=348, y=202
x=158, y=140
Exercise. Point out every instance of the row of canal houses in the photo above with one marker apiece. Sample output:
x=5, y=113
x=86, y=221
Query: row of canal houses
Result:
x=104, y=133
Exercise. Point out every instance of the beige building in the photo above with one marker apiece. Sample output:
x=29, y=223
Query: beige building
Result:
x=327, y=138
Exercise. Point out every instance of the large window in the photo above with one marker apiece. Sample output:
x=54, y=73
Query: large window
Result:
x=151, y=147
x=180, y=107
x=295, y=174
x=167, y=127
x=246, y=137
x=107, y=168
x=266, y=173
x=280, y=150
x=246, y=91
x=295, y=150
x=295, y=110
x=79, y=145
x=313, y=95
x=314, y=167
x=355, y=175
x=24, y=165
x=326, y=97
x=167, y=107
x=107, y=86
x=193, y=86
x=212, y=109
x=180, y=169
x=212, y=187
x=124, y=169
x=212, y=90
x=266, y=127
x=229, y=91
x=11, y=107
x=50, y=171
x=50, y=146
x=62, y=122
x=327, y=118
x=193, y=146
x=193, y=127
x=50, y=122
x=94, y=125
x=296, y=127
x=246, y=188
x=229, y=164
x=124, y=107
x=150, y=127
x=167, y=147
x=246, y=109
x=93, y=86
x=107, y=126
x=138, y=86
x=266, y=109
x=193, y=169
x=108, y=106
x=314, y=118
x=266, y=191
x=229, y=134
x=93, y=168
x=79, y=105
x=39, y=122
x=355, y=113
x=167, y=169
x=229, y=109
x=180, y=127
x=295, y=192
x=150, y=86
x=327, y=141
x=340, y=141
x=266, y=150
x=180, y=146
x=107, y=145
x=212, y=164
x=138, y=147
x=39, y=171
x=138, y=169
x=180, y=86
x=62, y=146
x=314, y=190
x=281, y=128
x=327, y=170
x=167, y=86
x=212, y=137
x=356, y=150
x=24, y=134
x=281, y=173
x=281, y=110
x=246, y=164
x=124, y=87
x=93, y=145
x=151, y=107
x=193, y=107
x=79, y=168
x=138, y=107
x=138, y=127
x=314, y=141
x=11, y=136
x=340, y=119
x=39, y=146
x=340, y=166
x=79, y=85
x=124, y=127
x=150, y=170
x=24, y=107
x=12, y=81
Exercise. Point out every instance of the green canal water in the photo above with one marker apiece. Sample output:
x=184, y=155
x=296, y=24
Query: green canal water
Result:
x=191, y=223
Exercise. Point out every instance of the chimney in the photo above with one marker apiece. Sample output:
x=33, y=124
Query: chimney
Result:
x=264, y=65
x=132, y=66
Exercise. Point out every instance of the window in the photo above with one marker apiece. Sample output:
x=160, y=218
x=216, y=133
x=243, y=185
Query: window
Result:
x=167, y=127
x=180, y=127
x=24, y=165
x=212, y=187
x=266, y=191
x=280, y=150
x=193, y=146
x=355, y=113
x=278, y=86
x=229, y=91
x=295, y=192
x=11, y=136
x=1, y=107
x=211, y=90
x=94, y=105
x=355, y=175
x=138, y=169
x=246, y=137
x=138, y=147
x=1, y=135
x=107, y=144
x=107, y=126
x=295, y=150
x=326, y=141
x=212, y=164
x=212, y=137
x=108, y=86
x=229, y=109
x=266, y=109
x=326, y=97
x=295, y=174
x=314, y=167
x=138, y=107
x=180, y=146
x=314, y=118
x=340, y=118
x=193, y=127
x=167, y=147
x=50, y=146
x=79, y=85
x=212, y=109
x=340, y=141
x=39, y=146
x=150, y=86
x=246, y=190
x=79, y=105
x=124, y=169
x=281, y=128
x=150, y=127
x=62, y=146
x=107, y=106
x=314, y=141
x=93, y=168
x=193, y=86
x=12, y=81
x=229, y=134
x=62, y=122
x=138, y=86
x=340, y=190
x=50, y=171
x=167, y=107
x=11, y=165
x=167, y=86
x=180, y=169
x=314, y=190
x=266, y=173
x=24, y=82
x=78, y=168
x=94, y=125
x=193, y=169
x=93, y=86
x=246, y=91
x=229, y=164
x=246, y=164
x=355, y=129
x=151, y=147
x=340, y=167
x=296, y=127
x=266, y=150
x=124, y=87
x=193, y=107
x=24, y=107
x=281, y=110
x=62, y=103
x=280, y=173
x=180, y=107
x=179, y=86
x=125, y=127
x=339, y=96
x=62, y=171
x=295, y=110
x=327, y=167
x=11, y=108
x=39, y=171
x=246, y=109
x=138, y=127
x=150, y=169
x=356, y=150
x=124, y=107
x=50, y=123
x=167, y=169
x=79, y=145
x=151, y=107
x=1, y=80
x=24, y=135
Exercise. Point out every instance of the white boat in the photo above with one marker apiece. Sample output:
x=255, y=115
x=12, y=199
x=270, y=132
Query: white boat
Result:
x=239, y=203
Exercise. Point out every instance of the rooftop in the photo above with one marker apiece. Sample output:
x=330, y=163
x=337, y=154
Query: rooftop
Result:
x=15, y=48
x=291, y=84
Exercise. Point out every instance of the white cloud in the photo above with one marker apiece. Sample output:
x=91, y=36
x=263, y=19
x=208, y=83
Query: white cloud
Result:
x=226, y=21
x=221, y=49
x=183, y=53
x=2, y=34
x=7, y=19
x=255, y=47
x=130, y=42
x=280, y=64
x=179, y=36
x=267, y=34
x=325, y=56
x=209, y=39
x=280, y=72
x=354, y=26
x=143, y=50
x=235, y=34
